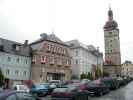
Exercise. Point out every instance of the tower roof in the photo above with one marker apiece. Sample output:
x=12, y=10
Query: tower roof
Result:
x=111, y=23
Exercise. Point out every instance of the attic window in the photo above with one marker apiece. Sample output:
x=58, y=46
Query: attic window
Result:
x=71, y=44
x=16, y=47
x=1, y=48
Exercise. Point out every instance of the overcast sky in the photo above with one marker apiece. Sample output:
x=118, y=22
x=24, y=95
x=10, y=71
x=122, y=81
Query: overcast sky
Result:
x=69, y=19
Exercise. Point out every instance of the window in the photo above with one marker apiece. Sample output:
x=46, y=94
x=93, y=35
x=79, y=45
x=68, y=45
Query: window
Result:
x=111, y=51
x=24, y=73
x=59, y=61
x=64, y=51
x=110, y=40
x=51, y=60
x=9, y=59
x=55, y=48
x=76, y=53
x=1, y=48
x=52, y=48
x=7, y=71
x=17, y=60
x=67, y=62
x=11, y=97
x=17, y=48
x=16, y=72
x=76, y=61
x=33, y=59
x=48, y=47
x=60, y=49
x=43, y=59
x=110, y=45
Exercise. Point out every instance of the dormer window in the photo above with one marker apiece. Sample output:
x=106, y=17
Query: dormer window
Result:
x=16, y=47
x=1, y=48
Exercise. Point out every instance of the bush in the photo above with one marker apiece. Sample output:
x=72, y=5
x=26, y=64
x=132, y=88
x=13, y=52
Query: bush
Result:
x=1, y=78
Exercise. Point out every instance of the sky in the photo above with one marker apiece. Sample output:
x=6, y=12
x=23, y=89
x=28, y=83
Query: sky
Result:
x=69, y=19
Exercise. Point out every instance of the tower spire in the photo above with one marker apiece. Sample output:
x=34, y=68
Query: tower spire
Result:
x=110, y=13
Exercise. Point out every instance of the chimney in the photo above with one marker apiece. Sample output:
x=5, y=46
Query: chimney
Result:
x=43, y=36
x=26, y=43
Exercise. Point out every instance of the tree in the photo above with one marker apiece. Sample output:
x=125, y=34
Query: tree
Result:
x=89, y=76
x=98, y=73
x=1, y=78
x=74, y=77
x=83, y=76
x=105, y=74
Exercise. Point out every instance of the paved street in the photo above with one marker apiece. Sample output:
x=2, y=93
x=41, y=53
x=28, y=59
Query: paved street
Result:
x=124, y=93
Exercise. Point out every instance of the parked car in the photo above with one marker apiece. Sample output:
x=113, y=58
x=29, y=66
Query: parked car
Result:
x=81, y=86
x=85, y=81
x=49, y=87
x=17, y=95
x=68, y=93
x=21, y=87
x=40, y=90
x=111, y=83
x=121, y=81
x=97, y=88
x=54, y=83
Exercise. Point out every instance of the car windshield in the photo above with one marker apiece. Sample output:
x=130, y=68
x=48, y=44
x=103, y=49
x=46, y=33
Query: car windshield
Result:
x=39, y=86
x=61, y=90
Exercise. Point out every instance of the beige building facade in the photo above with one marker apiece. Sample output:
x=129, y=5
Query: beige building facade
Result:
x=50, y=59
x=127, y=69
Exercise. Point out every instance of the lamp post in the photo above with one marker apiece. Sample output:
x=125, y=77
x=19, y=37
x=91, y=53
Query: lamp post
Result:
x=97, y=54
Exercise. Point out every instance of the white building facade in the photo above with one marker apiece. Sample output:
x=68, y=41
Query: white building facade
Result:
x=15, y=61
x=84, y=58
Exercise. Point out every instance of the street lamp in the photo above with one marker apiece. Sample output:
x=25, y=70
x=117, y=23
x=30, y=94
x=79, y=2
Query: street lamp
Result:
x=97, y=54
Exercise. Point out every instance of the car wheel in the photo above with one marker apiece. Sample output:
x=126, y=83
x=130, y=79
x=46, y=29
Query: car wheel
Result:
x=101, y=93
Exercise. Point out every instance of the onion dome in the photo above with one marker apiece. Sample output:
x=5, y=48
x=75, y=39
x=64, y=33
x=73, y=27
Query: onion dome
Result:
x=110, y=24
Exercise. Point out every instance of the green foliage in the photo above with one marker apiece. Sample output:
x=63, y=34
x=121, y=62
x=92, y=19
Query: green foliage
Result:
x=86, y=76
x=1, y=78
x=74, y=77
x=105, y=74
x=98, y=73
x=83, y=76
x=89, y=76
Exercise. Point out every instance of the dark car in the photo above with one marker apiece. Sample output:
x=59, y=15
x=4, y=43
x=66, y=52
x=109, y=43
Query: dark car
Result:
x=122, y=82
x=68, y=93
x=40, y=90
x=17, y=95
x=111, y=83
x=81, y=86
x=97, y=88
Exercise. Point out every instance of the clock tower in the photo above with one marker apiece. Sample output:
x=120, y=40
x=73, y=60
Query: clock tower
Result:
x=112, y=45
